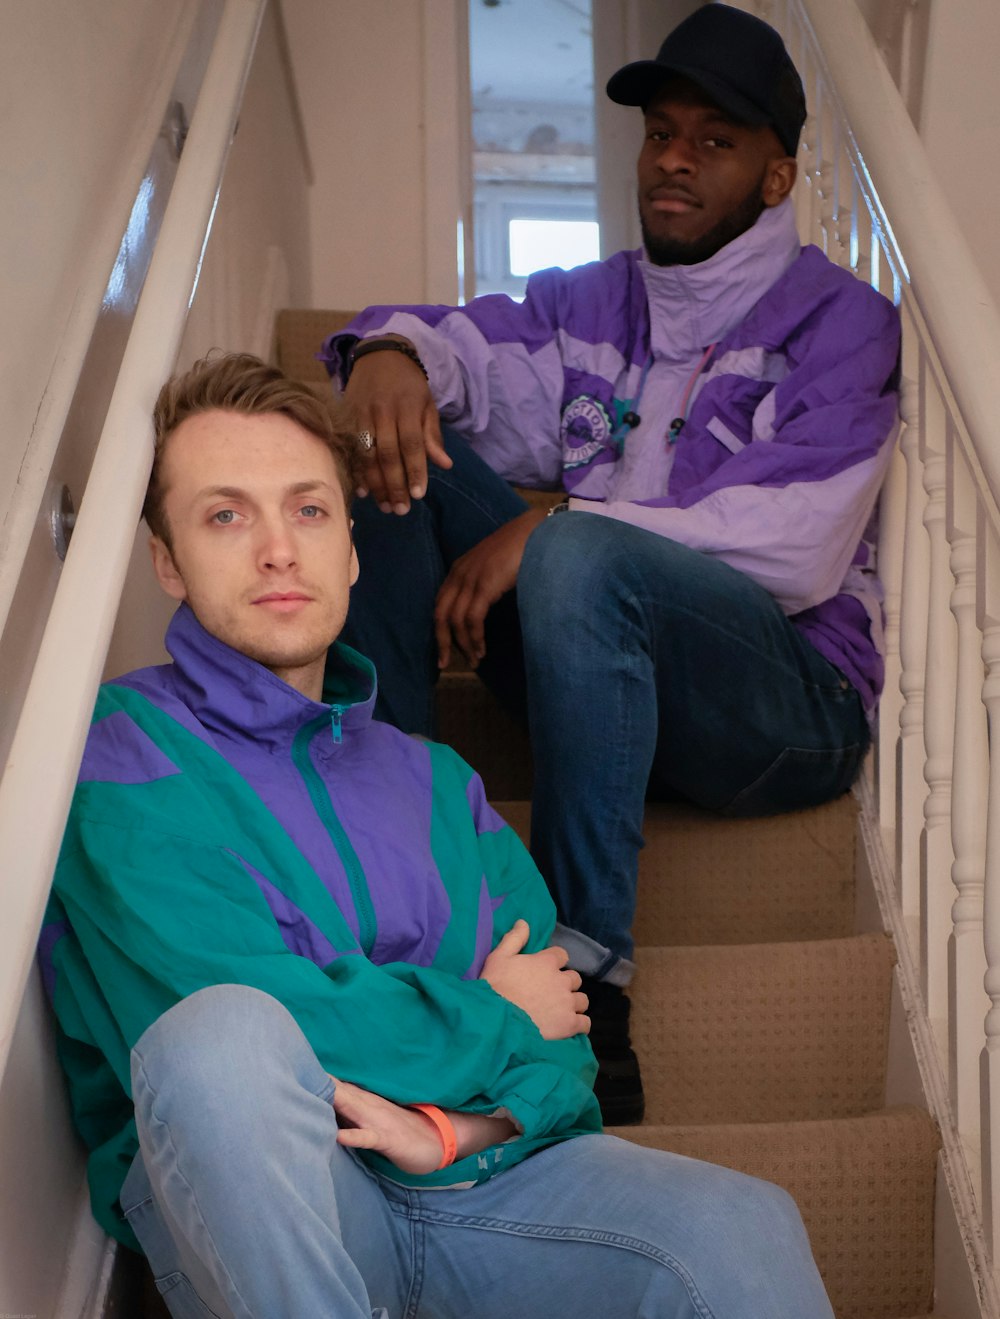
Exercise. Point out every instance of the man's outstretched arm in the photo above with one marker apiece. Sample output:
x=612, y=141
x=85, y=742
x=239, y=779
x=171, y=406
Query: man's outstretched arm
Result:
x=406, y=1136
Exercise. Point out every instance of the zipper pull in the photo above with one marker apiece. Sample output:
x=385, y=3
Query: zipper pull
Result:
x=336, y=714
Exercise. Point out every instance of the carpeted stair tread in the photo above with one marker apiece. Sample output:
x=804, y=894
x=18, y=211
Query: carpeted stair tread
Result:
x=865, y=1187
x=298, y=334
x=471, y=721
x=706, y=880
x=763, y=1032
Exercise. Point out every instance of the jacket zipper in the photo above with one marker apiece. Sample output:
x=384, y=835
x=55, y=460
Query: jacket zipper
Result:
x=320, y=797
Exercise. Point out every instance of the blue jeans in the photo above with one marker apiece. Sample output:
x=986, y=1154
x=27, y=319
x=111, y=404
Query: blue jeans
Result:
x=246, y=1206
x=637, y=660
x=404, y=561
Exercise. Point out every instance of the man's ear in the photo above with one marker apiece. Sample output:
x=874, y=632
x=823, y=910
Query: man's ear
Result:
x=355, y=566
x=779, y=180
x=166, y=570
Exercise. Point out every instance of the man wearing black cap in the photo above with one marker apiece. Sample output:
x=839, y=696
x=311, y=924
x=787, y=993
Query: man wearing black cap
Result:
x=719, y=409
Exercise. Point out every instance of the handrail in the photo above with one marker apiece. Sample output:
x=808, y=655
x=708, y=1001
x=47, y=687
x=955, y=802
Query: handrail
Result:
x=40, y=773
x=18, y=518
x=962, y=318
x=931, y=808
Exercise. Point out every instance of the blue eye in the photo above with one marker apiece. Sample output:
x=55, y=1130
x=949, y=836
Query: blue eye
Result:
x=311, y=511
x=224, y=516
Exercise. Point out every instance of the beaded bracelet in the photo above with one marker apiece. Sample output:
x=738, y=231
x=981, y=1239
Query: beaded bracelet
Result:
x=449, y=1141
x=385, y=346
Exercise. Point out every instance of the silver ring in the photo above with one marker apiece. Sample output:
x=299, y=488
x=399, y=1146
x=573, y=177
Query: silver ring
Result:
x=367, y=440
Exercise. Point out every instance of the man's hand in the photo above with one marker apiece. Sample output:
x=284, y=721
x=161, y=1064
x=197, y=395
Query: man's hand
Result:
x=539, y=983
x=477, y=580
x=393, y=401
x=405, y=1136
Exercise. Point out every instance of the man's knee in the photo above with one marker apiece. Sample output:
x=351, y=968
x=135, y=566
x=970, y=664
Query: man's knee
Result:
x=568, y=566
x=212, y=1041
x=712, y=1197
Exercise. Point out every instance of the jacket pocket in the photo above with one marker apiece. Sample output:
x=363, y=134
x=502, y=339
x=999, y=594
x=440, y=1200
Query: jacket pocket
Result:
x=158, y=1246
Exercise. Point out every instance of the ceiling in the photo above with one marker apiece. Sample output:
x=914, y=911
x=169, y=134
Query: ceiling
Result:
x=531, y=50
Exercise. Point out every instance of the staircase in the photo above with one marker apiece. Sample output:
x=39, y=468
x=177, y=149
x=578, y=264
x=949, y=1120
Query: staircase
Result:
x=761, y=1019
x=760, y=1016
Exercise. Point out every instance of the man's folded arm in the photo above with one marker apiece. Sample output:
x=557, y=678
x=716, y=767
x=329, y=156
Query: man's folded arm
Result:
x=178, y=915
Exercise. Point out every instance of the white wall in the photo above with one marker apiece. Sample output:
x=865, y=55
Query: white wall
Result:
x=81, y=88
x=961, y=103
x=78, y=84
x=258, y=260
x=384, y=88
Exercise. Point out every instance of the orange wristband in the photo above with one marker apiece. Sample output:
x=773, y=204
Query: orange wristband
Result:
x=445, y=1129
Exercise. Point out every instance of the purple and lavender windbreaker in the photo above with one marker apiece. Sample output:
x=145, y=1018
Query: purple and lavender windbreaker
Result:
x=783, y=366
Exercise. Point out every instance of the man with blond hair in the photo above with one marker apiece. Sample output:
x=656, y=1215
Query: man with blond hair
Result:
x=325, y=1059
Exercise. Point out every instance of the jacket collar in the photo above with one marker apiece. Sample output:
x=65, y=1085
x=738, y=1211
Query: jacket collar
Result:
x=691, y=307
x=233, y=695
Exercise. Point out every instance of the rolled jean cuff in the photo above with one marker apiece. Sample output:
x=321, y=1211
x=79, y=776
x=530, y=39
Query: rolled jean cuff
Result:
x=591, y=958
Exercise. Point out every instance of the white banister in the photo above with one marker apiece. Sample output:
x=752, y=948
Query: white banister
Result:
x=41, y=769
x=964, y=325
x=936, y=858
x=892, y=523
x=988, y=611
x=968, y=1001
x=869, y=199
x=910, y=785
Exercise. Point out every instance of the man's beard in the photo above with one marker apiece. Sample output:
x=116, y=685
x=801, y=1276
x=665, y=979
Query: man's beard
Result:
x=678, y=252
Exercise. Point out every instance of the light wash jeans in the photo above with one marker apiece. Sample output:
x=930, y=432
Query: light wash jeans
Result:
x=246, y=1206
x=634, y=660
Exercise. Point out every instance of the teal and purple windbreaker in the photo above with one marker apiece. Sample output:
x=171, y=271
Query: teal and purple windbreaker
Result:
x=783, y=367
x=227, y=829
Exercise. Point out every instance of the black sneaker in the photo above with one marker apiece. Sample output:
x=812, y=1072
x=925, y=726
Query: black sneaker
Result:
x=618, y=1086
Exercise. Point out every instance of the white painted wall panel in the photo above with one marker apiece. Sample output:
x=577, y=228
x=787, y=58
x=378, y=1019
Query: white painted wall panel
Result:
x=961, y=99
x=75, y=83
x=385, y=97
x=258, y=260
x=78, y=87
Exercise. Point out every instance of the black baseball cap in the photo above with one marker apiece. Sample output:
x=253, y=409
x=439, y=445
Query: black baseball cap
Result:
x=736, y=59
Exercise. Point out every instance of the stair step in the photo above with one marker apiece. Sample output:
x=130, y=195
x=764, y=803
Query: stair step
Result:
x=471, y=721
x=298, y=333
x=704, y=879
x=763, y=1032
x=865, y=1186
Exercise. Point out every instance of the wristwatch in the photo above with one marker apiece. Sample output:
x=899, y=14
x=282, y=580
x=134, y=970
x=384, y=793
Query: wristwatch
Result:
x=365, y=346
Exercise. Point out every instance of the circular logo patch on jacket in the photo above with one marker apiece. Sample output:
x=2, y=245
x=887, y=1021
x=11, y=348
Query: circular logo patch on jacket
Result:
x=585, y=430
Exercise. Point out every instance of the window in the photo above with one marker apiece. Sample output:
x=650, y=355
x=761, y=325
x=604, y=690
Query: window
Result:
x=535, y=244
x=533, y=133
